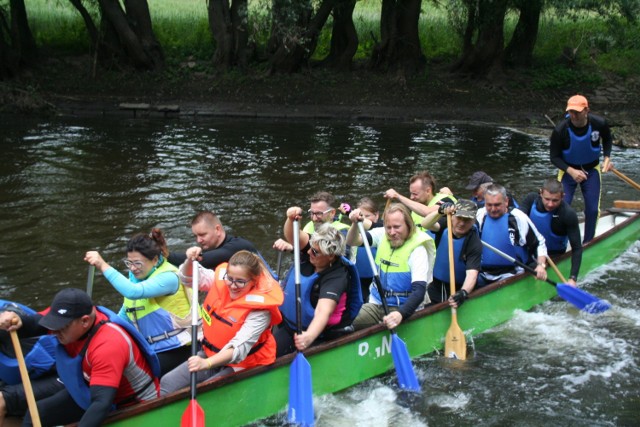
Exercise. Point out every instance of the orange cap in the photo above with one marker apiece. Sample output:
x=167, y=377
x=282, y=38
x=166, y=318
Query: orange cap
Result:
x=577, y=103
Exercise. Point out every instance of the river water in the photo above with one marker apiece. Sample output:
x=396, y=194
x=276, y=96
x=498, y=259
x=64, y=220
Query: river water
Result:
x=68, y=185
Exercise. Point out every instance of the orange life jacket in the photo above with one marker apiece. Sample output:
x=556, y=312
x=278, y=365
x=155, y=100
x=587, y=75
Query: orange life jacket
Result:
x=223, y=317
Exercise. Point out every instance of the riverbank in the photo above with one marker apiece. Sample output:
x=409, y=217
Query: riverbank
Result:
x=434, y=96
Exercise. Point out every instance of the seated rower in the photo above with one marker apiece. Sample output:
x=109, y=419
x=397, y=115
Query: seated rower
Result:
x=155, y=301
x=467, y=252
x=39, y=356
x=330, y=289
x=239, y=311
x=512, y=232
x=104, y=362
x=557, y=221
x=371, y=216
x=404, y=260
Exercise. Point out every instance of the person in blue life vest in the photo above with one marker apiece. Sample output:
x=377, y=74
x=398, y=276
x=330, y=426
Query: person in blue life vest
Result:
x=405, y=260
x=39, y=355
x=575, y=147
x=512, y=232
x=467, y=252
x=557, y=221
x=217, y=245
x=330, y=289
x=423, y=198
x=104, y=362
x=238, y=312
x=371, y=215
x=155, y=301
x=478, y=183
x=321, y=211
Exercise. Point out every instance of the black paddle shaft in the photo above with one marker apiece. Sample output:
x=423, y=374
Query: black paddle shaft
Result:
x=516, y=262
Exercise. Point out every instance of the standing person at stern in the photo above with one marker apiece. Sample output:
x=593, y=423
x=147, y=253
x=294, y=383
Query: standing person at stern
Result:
x=575, y=147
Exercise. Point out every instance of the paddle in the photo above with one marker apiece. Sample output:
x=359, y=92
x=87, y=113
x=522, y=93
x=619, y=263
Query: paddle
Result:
x=279, y=265
x=90, y=275
x=625, y=178
x=455, y=344
x=579, y=298
x=300, y=386
x=401, y=360
x=26, y=382
x=193, y=416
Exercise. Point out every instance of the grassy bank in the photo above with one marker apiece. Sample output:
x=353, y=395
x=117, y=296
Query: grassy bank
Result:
x=182, y=28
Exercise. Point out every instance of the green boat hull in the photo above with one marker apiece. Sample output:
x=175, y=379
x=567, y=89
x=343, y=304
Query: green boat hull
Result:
x=259, y=393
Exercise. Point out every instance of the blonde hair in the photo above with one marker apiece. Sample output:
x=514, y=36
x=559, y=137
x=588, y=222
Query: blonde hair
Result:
x=254, y=265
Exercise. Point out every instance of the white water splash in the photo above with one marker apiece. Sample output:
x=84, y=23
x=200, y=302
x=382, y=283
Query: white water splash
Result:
x=372, y=405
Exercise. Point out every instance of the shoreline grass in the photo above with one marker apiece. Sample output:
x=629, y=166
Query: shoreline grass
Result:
x=182, y=29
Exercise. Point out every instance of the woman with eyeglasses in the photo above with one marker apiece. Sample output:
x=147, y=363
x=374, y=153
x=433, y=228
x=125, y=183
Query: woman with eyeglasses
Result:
x=155, y=300
x=238, y=312
x=330, y=289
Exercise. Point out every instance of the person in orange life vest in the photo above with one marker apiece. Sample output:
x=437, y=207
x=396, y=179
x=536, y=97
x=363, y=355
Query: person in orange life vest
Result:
x=238, y=312
x=155, y=301
x=102, y=360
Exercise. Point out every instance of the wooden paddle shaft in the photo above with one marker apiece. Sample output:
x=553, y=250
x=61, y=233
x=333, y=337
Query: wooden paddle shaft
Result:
x=452, y=269
x=625, y=178
x=555, y=268
x=26, y=382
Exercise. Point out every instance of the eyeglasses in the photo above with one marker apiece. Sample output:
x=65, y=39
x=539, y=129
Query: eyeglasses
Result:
x=240, y=283
x=316, y=252
x=133, y=264
x=322, y=213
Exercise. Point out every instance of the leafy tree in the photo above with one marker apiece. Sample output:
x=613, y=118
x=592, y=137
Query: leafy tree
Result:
x=399, y=46
x=125, y=34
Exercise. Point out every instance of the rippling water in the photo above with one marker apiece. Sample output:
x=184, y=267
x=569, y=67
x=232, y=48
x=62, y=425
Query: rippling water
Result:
x=70, y=185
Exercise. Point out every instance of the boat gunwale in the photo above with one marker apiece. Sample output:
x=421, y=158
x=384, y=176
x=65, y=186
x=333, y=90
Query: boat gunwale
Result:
x=184, y=393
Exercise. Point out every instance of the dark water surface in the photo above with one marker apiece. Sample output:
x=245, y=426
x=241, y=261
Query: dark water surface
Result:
x=75, y=184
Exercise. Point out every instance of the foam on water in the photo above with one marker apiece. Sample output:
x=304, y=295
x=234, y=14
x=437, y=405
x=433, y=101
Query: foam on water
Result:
x=369, y=404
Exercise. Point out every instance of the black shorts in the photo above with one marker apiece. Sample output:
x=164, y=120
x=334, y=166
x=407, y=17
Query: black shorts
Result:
x=15, y=399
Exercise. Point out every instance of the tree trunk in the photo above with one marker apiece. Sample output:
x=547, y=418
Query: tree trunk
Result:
x=229, y=29
x=296, y=47
x=486, y=55
x=123, y=36
x=400, y=44
x=23, y=42
x=9, y=61
x=344, y=38
x=519, y=51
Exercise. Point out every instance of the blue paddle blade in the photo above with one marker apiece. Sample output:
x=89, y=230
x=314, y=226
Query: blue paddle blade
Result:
x=404, y=369
x=582, y=299
x=300, y=392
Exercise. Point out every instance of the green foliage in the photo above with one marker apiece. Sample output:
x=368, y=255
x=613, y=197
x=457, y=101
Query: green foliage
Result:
x=557, y=77
x=609, y=43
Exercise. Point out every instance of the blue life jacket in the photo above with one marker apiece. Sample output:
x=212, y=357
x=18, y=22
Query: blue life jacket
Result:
x=580, y=150
x=362, y=262
x=70, y=368
x=288, y=307
x=39, y=360
x=496, y=233
x=542, y=221
x=441, y=267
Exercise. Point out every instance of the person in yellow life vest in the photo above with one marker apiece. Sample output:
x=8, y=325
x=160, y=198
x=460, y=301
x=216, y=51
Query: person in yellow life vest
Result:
x=423, y=198
x=155, y=301
x=238, y=312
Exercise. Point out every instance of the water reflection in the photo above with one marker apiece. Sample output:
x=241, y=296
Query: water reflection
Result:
x=70, y=185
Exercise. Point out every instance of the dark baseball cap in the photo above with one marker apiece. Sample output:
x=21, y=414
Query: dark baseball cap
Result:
x=477, y=179
x=465, y=208
x=67, y=305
